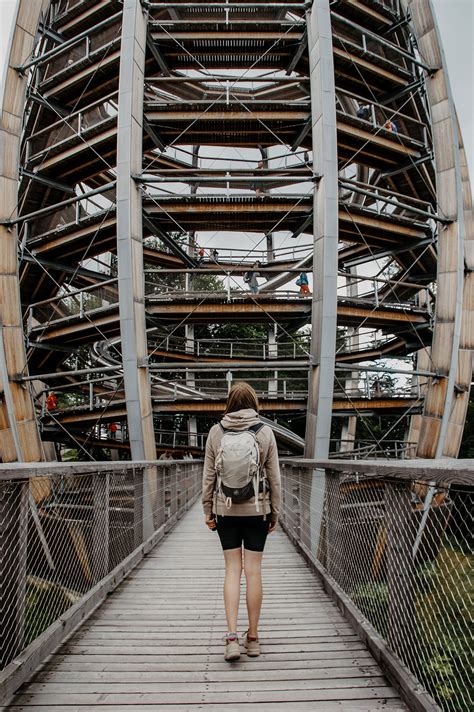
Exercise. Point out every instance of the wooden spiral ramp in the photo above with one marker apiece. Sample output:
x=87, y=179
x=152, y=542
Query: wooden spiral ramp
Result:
x=135, y=133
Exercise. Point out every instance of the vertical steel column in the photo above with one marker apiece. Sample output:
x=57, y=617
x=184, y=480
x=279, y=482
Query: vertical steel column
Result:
x=130, y=254
x=129, y=234
x=325, y=212
x=189, y=328
x=325, y=206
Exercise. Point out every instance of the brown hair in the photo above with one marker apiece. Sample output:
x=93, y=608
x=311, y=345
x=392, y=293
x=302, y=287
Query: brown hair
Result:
x=241, y=396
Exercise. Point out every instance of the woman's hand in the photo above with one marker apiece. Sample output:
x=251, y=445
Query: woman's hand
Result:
x=272, y=526
x=210, y=521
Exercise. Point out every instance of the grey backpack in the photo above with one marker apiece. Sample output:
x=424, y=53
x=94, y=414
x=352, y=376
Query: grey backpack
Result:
x=239, y=475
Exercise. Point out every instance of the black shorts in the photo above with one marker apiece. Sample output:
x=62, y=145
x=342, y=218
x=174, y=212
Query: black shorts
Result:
x=251, y=531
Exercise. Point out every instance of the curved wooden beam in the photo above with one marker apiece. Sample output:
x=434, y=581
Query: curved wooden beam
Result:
x=466, y=344
x=444, y=410
x=19, y=435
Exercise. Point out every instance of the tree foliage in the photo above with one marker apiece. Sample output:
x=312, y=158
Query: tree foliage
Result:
x=467, y=445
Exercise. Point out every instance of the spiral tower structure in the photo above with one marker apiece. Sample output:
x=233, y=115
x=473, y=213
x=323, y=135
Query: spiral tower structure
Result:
x=156, y=153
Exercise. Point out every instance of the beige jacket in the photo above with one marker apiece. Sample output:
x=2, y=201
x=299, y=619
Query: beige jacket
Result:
x=211, y=502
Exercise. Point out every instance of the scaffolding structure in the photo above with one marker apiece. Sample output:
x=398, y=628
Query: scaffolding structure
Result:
x=160, y=154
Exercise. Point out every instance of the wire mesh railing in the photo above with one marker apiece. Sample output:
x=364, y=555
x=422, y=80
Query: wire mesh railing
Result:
x=82, y=49
x=374, y=449
x=229, y=348
x=72, y=127
x=397, y=541
x=69, y=533
x=74, y=303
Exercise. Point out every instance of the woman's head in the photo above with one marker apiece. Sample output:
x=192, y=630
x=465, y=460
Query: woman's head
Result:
x=241, y=396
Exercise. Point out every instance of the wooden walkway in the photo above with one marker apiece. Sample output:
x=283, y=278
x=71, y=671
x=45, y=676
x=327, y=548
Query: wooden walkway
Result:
x=156, y=643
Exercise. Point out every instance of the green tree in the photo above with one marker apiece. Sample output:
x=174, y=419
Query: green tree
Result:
x=467, y=445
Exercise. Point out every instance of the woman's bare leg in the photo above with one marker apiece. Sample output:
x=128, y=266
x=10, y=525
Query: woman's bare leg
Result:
x=233, y=572
x=253, y=576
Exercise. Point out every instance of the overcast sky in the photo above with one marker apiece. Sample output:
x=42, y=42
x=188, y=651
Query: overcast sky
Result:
x=456, y=23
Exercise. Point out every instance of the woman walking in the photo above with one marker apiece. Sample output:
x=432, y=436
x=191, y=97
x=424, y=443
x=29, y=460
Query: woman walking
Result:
x=241, y=519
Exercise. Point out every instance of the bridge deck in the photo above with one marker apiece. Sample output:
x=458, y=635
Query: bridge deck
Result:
x=156, y=643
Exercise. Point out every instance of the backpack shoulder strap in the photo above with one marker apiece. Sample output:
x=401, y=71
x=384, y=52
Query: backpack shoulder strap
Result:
x=229, y=430
x=255, y=428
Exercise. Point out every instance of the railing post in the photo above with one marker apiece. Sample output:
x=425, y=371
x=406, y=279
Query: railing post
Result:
x=333, y=527
x=13, y=552
x=100, y=525
x=306, y=485
x=179, y=490
x=137, y=506
x=295, y=498
x=376, y=292
x=402, y=619
x=173, y=494
x=150, y=500
x=159, y=514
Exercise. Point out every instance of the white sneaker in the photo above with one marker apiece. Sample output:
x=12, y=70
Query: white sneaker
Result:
x=232, y=648
x=252, y=645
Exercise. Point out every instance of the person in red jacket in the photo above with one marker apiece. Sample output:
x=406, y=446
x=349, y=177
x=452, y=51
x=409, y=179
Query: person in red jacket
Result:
x=51, y=402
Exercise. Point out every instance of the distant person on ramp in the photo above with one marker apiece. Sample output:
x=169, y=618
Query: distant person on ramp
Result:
x=363, y=112
x=51, y=402
x=251, y=278
x=303, y=283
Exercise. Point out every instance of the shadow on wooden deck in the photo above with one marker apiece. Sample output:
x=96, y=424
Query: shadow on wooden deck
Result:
x=156, y=643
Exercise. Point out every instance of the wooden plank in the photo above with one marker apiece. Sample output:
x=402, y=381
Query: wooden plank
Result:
x=189, y=621
x=224, y=697
x=313, y=706
x=126, y=676
x=201, y=685
x=20, y=470
x=115, y=650
x=157, y=641
x=160, y=663
x=300, y=627
x=142, y=639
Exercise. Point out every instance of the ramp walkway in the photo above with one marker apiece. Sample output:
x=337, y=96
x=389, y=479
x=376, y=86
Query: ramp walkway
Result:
x=156, y=642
